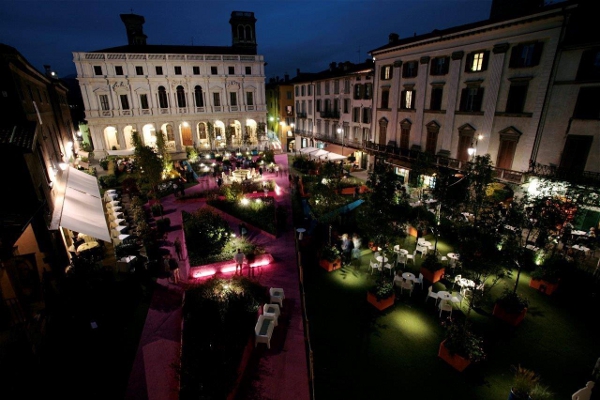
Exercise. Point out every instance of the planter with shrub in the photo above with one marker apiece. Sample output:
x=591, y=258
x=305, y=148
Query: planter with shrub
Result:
x=382, y=295
x=510, y=307
x=461, y=346
x=330, y=258
x=432, y=269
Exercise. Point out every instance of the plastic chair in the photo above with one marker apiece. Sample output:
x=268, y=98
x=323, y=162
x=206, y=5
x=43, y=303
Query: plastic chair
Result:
x=374, y=266
x=390, y=267
x=445, y=306
x=411, y=257
x=421, y=249
x=408, y=285
x=420, y=280
x=432, y=294
x=277, y=296
x=457, y=298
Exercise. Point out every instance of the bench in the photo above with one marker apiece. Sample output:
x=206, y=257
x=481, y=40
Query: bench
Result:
x=272, y=310
x=264, y=330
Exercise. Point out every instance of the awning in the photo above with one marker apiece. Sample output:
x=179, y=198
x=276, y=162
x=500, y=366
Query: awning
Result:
x=82, y=210
x=332, y=156
x=307, y=150
x=126, y=152
x=319, y=153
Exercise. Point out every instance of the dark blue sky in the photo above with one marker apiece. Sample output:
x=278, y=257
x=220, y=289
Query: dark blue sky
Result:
x=291, y=34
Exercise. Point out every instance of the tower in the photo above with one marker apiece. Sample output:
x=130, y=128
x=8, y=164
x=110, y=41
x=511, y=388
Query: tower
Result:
x=502, y=9
x=243, y=30
x=134, y=24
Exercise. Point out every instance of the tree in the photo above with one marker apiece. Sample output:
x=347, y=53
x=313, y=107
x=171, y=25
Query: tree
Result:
x=479, y=176
x=150, y=165
x=161, y=146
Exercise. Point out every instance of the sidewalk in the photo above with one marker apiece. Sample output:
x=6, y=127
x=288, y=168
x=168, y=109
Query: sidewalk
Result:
x=277, y=373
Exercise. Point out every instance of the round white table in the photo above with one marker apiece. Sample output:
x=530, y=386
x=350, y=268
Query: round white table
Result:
x=381, y=259
x=409, y=276
x=448, y=296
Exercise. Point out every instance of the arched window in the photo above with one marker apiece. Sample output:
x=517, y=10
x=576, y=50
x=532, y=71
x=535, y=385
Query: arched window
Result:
x=240, y=32
x=465, y=140
x=199, y=96
x=163, y=101
x=180, y=97
x=405, y=126
x=201, y=130
x=433, y=129
x=248, y=33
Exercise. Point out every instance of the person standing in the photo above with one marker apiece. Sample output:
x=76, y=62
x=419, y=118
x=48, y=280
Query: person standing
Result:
x=174, y=267
x=178, y=248
x=239, y=261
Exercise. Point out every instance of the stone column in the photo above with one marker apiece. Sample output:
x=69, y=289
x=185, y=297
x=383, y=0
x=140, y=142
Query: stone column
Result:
x=451, y=92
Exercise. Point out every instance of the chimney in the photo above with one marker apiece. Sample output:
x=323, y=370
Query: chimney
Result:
x=332, y=66
x=134, y=25
x=393, y=37
x=297, y=71
x=286, y=77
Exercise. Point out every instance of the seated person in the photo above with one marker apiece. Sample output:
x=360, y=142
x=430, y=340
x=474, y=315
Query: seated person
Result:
x=398, y=278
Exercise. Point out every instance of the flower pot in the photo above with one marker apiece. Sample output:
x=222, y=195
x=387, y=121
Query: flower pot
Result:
x=457, y=362
x=543, y=286
x=432, y=276
x=383, y=303
x=513, y=319
x=330, y=265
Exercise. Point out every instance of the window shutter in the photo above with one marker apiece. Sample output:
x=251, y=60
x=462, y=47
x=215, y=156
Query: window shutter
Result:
x=432, y=67
x=446, y=67
x=463, y=99
x=360, y=91
x=382, y=73
x=403, y=99
x=414, y=98
x=391, y=72
x=405, y=70
x=514, y=56
x=478, y=100
x=486, y=57
x=469, y=62
x=537, y=53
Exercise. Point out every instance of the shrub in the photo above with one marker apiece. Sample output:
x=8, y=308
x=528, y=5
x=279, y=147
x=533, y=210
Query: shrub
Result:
x=552, y=269
x=104, y=164
x=432, y=263
x=206, y=232
x=383, y=289
x=157, y=209
x=330, y=253
x=163, y=224
x=108, y=181
x=512, y=302
x=461, y=341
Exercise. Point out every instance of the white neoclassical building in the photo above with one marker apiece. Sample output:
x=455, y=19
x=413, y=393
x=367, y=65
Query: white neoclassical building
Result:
x=201, y=96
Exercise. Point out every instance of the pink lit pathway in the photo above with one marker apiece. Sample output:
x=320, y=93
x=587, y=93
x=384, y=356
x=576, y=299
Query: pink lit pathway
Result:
x=278, y=373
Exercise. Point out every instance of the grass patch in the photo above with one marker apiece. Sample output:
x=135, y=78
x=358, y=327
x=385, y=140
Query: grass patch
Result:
x=259, y=212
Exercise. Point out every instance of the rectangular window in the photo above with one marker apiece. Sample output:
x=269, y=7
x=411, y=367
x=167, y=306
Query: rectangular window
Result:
x=118, y=70
x=124, y=102
x=213, y=70
x=410, y=69
x=233, y=99
x=526, y=55
x=386, y=72
x=297, y=89
x=575, y=153
x=159, y=70
x=196, y=70
x=368, y=91
x=249, y=98
x=318, y=105
x=589, y=65
x=346, y=106
x=366, y=116
x=477, y=61
x=216, y=99
x=303, y=90
x=506, y=153
x=385, y=97
x=231, y=70
x=139, y=70
x=98, y=70
x=588, y=105
x=177, y=70
x=310, y=106
x=356, y=114
x=407, y=101
x=248, y=70
x=439, y=66
x=303, y=107
x=471, y=98
x=318, y=88
x=515, y=104
x=310, y=90
x=326, y=87
x=346, y=86
x=104, y=102
x=404, y=137
x=288, y=95
x=336, y=86
x=358, y=91
x=144, y=101
x=436, y=98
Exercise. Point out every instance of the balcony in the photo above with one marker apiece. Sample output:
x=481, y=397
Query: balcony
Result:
x=406, y=157
x=301, y=115
x=330, y=114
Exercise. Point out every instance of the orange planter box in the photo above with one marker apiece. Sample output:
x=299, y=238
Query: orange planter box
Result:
x=330, y=265
x=383, y=303
x=434, y=276
x=510, y=318
x=457, y=362
x=543, y=286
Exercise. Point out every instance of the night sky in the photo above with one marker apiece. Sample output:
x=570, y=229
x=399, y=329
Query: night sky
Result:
x=291, y=34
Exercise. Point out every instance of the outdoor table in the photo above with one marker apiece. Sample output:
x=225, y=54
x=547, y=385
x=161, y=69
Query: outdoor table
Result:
x=453, y=258
x=464, y=282
x=381, y=260
x=87, y=246
x=426, y=243
x=584, y=249
x=444, y=295
x=300, y=232
x=409, y=276
x=578, y=233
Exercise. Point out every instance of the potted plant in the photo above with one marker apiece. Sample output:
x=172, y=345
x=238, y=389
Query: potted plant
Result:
x=432, y=268
x=330, y=258
x=546, y=277
x=382, y=295
x=510, y=307
x=104, y=163
x=527, y=386
x=461, y=347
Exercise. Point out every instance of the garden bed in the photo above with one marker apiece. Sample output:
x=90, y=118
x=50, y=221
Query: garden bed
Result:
x=258, y=212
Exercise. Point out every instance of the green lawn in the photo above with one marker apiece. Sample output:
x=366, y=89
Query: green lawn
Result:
x=362, y=353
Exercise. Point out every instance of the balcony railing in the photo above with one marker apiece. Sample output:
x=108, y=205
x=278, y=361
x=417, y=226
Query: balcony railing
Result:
x=301, y=115
x=330, y=114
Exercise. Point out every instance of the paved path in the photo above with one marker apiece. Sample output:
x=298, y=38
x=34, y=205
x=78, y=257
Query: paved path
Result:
x=278, y=373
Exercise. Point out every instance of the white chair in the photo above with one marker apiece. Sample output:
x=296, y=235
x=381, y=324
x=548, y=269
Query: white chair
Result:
x=277, y=296
x=421, y=249
x=389, y=266
x=444, y=259
x=419, y=280
x=421, y=240
x=432, y=294
x=376, y=254
x=272, y=310
x=374, y=266
x=401, y=259
x=445, y=305
x=457, y=298
x=411, y=257
x=408, y=285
